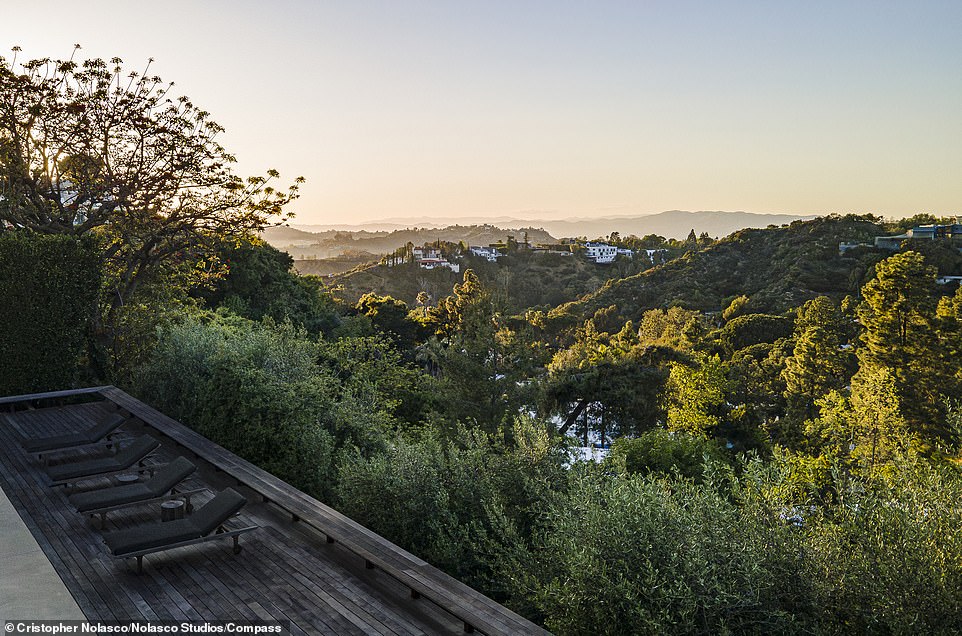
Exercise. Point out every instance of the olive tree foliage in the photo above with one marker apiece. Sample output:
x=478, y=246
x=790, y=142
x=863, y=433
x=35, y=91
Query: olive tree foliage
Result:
x=87, y=147
x=633, y=554
x=254, y=388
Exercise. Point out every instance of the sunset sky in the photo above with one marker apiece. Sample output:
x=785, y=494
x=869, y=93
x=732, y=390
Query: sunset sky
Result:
x=556, y=109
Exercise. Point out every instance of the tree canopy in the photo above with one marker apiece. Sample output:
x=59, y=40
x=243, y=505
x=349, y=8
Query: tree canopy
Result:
x=87, y=145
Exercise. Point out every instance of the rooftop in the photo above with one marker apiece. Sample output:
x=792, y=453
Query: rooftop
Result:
x=305, y=563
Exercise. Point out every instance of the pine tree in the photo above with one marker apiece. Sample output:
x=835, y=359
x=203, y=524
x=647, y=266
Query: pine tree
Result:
x=898, y=317
x=820, y=361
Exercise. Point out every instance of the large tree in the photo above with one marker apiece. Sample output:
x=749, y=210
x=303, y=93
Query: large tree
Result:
x=86, y=147
x=821, y=360
x=614, y=378
x=898, y=316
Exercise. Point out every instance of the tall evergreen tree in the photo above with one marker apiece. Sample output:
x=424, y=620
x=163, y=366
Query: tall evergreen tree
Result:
x=897, y=314
x=950, y=341
x=820, y=361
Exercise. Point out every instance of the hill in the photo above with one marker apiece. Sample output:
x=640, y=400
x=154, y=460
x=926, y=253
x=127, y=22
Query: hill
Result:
x=777, y=268
x=336, y=265
x=332, y=243
x=672, y=224
x=521, y=279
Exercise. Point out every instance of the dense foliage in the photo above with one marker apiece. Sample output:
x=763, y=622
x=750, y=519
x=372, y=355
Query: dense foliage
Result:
x=48, y=285
x=766, y=474
x=87, y=148
x=776, y=268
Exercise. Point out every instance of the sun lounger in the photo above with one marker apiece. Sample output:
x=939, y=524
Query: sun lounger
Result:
x=106, y=425
x=135, y=453
x=164, y=481
x=207, y=524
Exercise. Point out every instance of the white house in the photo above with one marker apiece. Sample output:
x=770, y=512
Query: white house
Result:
x=489, y=253
x=422, y=253
x=432, y=263
x=601, y=252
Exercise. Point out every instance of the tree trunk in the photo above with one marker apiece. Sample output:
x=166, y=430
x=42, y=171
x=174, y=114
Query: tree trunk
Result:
x=573, y=416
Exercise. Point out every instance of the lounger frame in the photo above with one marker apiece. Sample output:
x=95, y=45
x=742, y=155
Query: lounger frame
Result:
x=220, y=533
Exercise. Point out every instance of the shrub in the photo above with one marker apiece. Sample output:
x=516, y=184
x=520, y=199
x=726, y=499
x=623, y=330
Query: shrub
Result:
x=654, y=555
x=255, y=389
x=665, y=452
x=49, y=285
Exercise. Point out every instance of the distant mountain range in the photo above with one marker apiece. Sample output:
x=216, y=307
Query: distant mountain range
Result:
x=330, y=243
x=672, y=224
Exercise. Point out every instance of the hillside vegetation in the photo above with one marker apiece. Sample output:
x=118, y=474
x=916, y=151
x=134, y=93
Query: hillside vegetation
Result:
x=335, y=265
x=777, y=268
x=521, y=279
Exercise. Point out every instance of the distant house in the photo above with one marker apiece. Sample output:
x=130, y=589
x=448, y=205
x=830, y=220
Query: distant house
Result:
x=891, y=242
x=624, y=251
x=845, y=246
x=925, y=232
x=421, y=253
x=431, y=258
x=552, y=248
x=601, y=252
x=490, y=253
x=434, y=263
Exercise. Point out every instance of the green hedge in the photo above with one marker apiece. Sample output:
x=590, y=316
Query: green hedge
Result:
x=48, y=287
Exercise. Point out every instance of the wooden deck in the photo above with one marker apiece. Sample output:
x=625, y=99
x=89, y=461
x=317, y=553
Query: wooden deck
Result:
x=306, y=563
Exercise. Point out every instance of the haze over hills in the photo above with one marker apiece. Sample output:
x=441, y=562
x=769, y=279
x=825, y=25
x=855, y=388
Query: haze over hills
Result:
x=333, y=243
x=671, y=224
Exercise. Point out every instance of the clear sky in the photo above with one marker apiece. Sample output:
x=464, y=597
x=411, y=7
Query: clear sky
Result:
x=554, y=109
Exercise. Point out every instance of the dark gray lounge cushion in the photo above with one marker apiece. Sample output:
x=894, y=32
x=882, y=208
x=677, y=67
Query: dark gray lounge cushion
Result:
x=136, y=451
x=169, y=476
x=117, y=496
x=157, y=486
x=107, y=424
x=157, y=536
x=225, y=505
x=151, y=536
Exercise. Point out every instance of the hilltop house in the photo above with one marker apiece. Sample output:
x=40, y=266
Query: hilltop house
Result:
x=431, y=258
x=489, y=253
x=926, y=232
x=601, y=252
x=432, y=263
